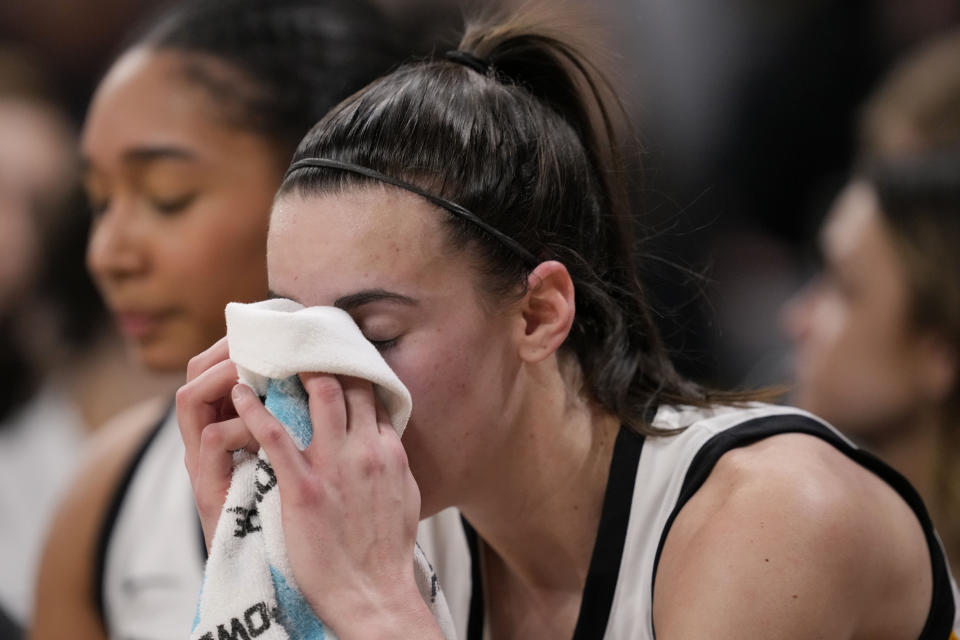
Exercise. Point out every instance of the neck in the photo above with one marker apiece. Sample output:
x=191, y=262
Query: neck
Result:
x=101, y=380
x=912, y=450
x=540, y=509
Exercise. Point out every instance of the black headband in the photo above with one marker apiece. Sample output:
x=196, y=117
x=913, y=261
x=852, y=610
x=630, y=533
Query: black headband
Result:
x=452, y=207
x=479, y=65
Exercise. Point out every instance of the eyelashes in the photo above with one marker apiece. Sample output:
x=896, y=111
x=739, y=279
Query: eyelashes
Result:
x=384, y=345
x=173, y=205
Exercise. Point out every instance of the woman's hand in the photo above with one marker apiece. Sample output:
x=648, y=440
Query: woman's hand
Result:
x=349, y=502
x=350, y=509
x=211, y=431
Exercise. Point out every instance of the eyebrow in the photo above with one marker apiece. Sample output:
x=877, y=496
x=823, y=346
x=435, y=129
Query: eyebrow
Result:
x=147, y=154
x=367, y=296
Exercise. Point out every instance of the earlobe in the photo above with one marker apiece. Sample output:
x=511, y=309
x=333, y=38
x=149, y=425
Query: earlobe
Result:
x=548, y=310
x=939, y=368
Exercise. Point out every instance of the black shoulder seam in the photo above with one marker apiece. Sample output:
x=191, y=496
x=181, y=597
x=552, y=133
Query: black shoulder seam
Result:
x=111, y=515
x=939, y=621
x=475, y=616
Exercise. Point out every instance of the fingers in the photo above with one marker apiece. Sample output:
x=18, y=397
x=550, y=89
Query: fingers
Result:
x=202, y=401
x=361, y=405
x=206, y=359
x=328, y=411
x=214, y=467
x=383, y=418
x=284, y=456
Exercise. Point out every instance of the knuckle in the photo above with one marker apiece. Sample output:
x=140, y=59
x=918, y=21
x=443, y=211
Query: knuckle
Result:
x=325, y=388
x=395, y=450
x=372, y=461
x=308, y=491
x=212, y=436
x=272, y=433
x=184, y=396
x=206, y=504
x=195, y=366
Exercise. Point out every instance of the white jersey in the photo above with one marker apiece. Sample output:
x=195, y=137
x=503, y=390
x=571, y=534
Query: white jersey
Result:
x=651, y=479
x=39, y=449
x=151, y=549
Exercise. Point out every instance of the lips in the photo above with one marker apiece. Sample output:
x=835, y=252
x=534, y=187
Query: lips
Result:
x=140, y=324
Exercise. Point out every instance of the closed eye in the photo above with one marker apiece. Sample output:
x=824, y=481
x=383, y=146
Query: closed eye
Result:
x=384, y=345
x=173, y=205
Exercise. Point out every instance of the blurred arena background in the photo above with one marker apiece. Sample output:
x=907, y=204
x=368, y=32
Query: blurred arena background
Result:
x=746, y=110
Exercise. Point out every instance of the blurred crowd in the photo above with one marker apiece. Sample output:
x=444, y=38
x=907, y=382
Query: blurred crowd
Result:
x=798, y=164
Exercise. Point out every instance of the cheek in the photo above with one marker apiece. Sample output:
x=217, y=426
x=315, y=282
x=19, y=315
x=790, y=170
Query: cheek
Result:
x=852, y=372
x=223, y=258
x=456, y=383
x=203, y=265
x=436, y=374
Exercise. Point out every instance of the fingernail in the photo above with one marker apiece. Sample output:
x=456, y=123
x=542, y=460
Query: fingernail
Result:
x=237, y=393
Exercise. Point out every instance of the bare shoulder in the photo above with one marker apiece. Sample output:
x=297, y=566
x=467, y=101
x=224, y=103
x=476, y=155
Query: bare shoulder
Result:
x=790, y=538
x=65, y=602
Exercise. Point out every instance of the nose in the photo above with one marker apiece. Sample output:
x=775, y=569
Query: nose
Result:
x=116, y=249
x=797, y=311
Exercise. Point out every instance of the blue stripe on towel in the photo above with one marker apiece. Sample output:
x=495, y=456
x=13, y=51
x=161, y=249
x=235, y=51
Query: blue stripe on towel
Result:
x=196, y=615
x=296, y=616
x=287, y=400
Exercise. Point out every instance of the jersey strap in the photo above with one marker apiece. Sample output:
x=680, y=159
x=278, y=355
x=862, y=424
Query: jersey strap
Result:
x=601, y=582
x=939, y=622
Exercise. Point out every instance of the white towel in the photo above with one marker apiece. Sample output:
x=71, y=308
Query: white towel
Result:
x=249, y=589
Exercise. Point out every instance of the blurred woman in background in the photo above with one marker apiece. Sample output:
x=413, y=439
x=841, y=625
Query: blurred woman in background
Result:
x=878, y=333
x=184, y=145
x=62, y=370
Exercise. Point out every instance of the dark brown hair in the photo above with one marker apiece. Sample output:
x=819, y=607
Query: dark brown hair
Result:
x=292, y=60
x=917, y=107
x=524, y=138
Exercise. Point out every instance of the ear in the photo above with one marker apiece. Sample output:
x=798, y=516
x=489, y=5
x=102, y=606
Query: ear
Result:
x=547, y=310
x=937, y=367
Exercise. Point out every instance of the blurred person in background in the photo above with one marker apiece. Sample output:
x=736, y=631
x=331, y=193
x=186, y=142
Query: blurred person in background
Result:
x=185, y=143
x=917, y=107
x=63, y=372
x=877, y=334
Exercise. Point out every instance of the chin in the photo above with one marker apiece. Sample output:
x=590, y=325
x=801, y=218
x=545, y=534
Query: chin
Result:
x=160, y=358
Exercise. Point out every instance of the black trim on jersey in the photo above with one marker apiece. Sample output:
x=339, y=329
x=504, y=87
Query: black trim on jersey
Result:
x=939, y=621
x=611, y=536
x=475, y=619
x=111, y=515
x=604, y=567
x=113, y=512
x=10, y=629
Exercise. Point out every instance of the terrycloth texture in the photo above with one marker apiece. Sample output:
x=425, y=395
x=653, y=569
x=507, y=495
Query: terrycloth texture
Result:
x=249, y=589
